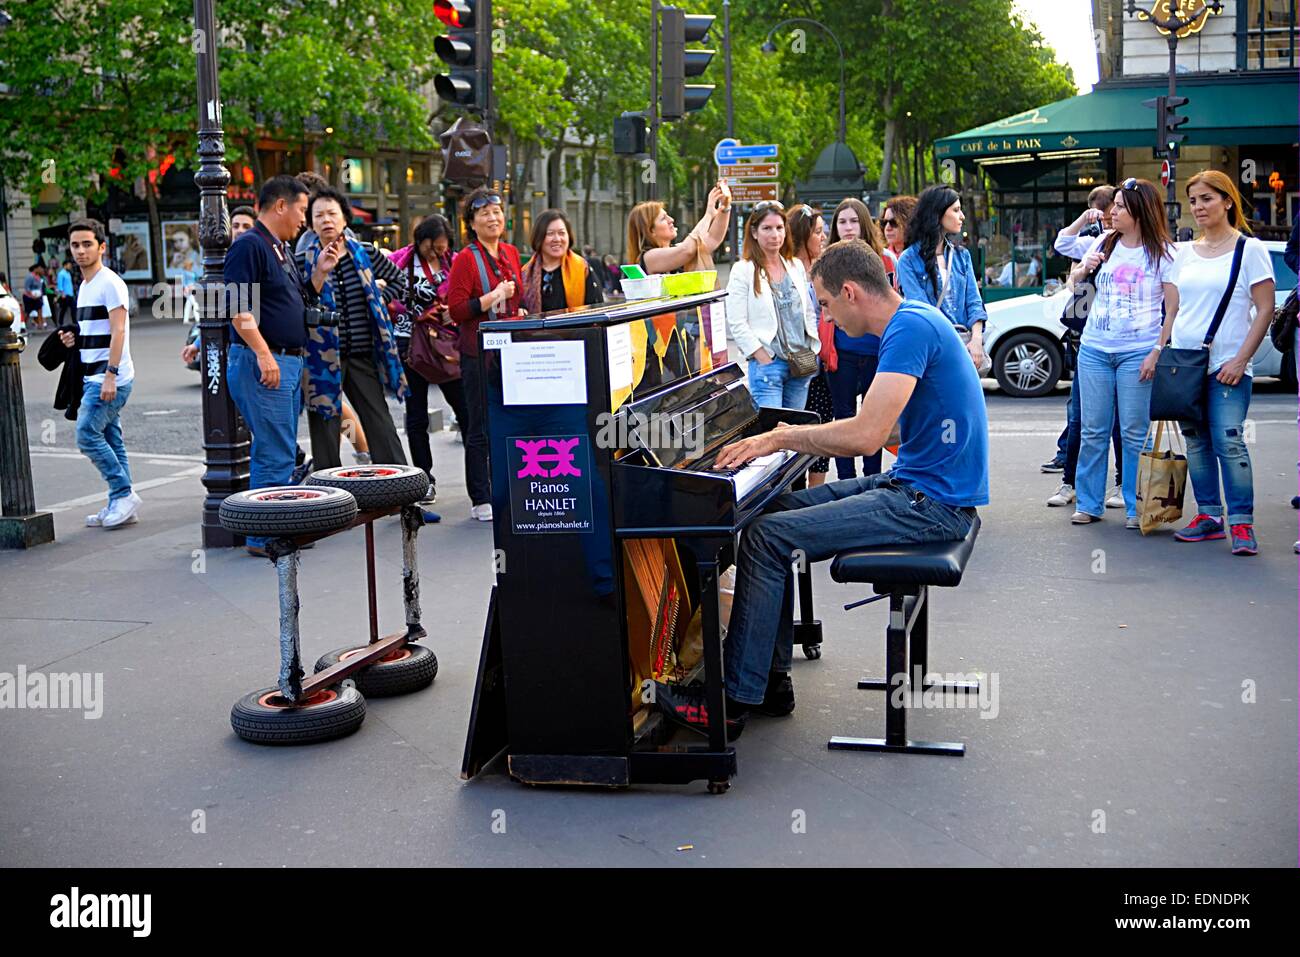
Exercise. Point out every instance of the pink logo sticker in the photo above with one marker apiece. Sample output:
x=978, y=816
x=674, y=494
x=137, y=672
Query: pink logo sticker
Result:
x=560, y=457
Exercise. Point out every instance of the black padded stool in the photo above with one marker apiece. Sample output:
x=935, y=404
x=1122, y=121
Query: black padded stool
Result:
x=904, y=574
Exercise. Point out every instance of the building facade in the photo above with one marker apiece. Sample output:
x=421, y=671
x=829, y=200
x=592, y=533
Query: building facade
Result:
x=1238, y=70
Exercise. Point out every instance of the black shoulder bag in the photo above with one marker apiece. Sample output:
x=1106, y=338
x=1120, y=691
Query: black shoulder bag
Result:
x=1178, y=392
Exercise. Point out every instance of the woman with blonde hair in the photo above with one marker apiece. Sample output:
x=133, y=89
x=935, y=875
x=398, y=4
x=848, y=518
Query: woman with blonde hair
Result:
x=651, y=231
x=768, y=313
x=1224, y=261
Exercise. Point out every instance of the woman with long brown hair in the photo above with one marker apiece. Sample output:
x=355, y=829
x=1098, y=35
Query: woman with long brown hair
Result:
x=768, y=311
x=856, y=356
x=557, y=277
x=807, y=238
x=893, y=231
x=1130, y=267
x=1202, y=270
x=651, y=231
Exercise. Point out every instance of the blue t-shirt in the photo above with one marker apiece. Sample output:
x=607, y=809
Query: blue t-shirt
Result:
x=252, y=265
x=944, y=428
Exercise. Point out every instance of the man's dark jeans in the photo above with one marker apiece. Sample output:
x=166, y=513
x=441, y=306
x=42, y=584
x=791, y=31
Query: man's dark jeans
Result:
x=813, y=525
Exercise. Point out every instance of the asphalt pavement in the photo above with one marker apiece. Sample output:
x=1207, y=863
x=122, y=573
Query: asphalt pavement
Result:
x=1146, y=710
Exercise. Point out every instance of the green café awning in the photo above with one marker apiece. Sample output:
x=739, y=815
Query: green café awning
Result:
x=1221, y=114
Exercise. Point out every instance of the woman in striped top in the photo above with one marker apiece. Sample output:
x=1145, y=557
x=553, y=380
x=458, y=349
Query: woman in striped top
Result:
x=359, y=358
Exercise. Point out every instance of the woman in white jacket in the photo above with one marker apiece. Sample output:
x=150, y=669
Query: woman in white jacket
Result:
x=769, y=287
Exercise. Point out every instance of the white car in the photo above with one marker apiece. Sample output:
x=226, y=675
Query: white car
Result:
x=1023, y=337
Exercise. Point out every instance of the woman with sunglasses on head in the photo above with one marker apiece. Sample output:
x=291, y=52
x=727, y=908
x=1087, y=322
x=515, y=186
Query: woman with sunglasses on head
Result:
x=808, y=238
x=651, y=231
x=485, y=283
x=934, y=269
x=768, y=311
x=1200, y=276
x=557, y=277
x=1133, y=263
x=855, y=356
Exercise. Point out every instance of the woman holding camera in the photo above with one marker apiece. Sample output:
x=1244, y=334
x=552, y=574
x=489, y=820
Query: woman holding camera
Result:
x=651, y=231
x=485, y=283
x=358, y=356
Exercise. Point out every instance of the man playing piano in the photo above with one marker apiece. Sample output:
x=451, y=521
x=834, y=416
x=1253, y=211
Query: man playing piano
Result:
x=926, y=383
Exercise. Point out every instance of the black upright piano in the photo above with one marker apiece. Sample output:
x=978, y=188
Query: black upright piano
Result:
x=611, y=529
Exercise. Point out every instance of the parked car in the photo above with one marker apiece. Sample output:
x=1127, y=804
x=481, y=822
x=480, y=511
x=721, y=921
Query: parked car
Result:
x=1023, y=336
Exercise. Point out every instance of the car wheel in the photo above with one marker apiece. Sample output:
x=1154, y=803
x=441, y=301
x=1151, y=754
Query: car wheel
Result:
x=265, y=717
x=376, y=486
x=1027, y=365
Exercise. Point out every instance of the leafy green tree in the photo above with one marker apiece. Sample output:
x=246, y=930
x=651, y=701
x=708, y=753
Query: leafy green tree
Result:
x=96, y=92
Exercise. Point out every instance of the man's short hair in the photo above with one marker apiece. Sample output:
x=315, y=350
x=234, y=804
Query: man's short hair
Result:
x=243, y=211
x=313, y=181
x=330, y=193
x=851, y=260
x=1102, y=197
x=280, y=188
x=89, y=226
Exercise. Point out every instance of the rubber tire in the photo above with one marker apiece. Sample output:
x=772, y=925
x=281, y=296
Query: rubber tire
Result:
x=1054, y=374
x=406, y=485
x=812, y=652
x=260, y=724
x=257, y=512
x=384, y=679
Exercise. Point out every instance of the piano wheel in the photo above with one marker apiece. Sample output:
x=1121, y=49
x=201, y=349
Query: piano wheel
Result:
x=812, y=651
x=719, y=787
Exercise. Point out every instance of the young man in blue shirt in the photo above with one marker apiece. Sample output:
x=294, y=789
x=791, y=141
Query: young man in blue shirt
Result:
x=926, y=383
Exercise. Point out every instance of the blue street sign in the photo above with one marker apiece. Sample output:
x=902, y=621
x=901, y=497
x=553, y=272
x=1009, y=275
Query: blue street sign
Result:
x=723, y=144
x=730, y=154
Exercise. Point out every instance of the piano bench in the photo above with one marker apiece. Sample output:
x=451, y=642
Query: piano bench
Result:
x=904, y=574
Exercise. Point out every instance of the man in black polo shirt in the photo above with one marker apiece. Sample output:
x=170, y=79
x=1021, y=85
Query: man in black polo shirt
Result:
x=265, y=365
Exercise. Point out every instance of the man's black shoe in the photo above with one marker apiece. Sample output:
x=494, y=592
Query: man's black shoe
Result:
x=1295, y=501
x=1055, y=465
x=688, y=706
x=300, y=472
x=779, y=699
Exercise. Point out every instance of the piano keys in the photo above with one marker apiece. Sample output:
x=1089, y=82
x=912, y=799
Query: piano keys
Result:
x=611, y=527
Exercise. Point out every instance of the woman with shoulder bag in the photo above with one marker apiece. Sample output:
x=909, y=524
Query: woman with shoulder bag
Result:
x=768, y=315
x=484, y=284
x=808, y=237
x=1220, y=277
x=427, y=264
x=936, y=270
x=1129, y=268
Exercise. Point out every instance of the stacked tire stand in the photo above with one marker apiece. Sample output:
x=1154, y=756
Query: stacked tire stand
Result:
x=327, y=704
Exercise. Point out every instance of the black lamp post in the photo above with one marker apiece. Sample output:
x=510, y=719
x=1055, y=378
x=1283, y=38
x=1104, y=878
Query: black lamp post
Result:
x=225, y=438
x=1171, y=26
x=770, y=47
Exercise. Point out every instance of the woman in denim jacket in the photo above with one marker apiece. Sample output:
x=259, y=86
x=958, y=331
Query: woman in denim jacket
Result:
x=933, y=269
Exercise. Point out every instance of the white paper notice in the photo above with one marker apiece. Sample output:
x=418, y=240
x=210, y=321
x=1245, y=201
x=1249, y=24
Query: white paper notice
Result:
x=543, y=373
x=618, y=341
x=718, y=326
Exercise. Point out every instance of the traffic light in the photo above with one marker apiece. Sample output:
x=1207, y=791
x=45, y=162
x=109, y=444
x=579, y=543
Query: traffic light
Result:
x=1170, y=121
x=467, y=50
x=678, y=29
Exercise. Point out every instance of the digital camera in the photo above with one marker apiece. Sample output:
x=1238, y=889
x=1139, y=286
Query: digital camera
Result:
x=321, y=316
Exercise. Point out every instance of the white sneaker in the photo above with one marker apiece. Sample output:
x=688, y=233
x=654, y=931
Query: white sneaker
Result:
x=122, y=512
x=482, y=512
x=1064, y=496
x=96, y=520
x=1115, y=498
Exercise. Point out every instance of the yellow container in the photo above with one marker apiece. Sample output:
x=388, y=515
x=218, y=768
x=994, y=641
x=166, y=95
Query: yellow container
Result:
x=689, y=283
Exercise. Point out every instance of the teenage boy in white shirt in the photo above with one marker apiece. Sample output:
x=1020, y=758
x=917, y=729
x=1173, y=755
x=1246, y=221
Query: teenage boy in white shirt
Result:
x=107, y=373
